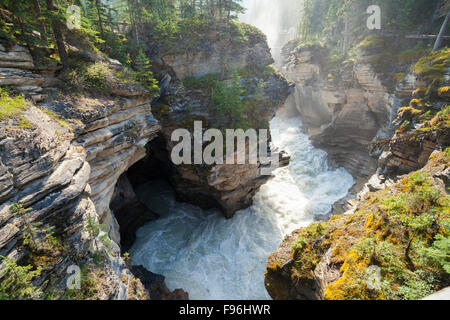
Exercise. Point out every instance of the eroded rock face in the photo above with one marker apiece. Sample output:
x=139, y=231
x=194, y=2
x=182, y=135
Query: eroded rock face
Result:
x=63, y=174
x=218, y=51
x=229, y=187
x=16, y=65
x=339, y=117
x=65, y=166
x=326, y=261
x=411, y=152
x=216, y=57
x=129, y=211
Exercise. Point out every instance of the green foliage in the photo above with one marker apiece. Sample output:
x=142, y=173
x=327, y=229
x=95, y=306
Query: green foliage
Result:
x=313, y=231
x=418, y=285
x=144, y=75
x=96, y=76
x=116, y=47
x=20, y=21
x=36, y=236
x=16, y=281
x=95, y=229
x=325, y=19
x=243, y=32
x=433, y=66
x=420, y=207
x=439, y=253
x=206, y=82
x=10, y=106
x=228, y=103
x=394, y=246
x=88, y=283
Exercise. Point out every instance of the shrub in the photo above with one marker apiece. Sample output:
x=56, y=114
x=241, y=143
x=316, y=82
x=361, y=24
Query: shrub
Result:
x=16, y=281
x=36, y=236
x=144, y=75
x=97, y=76
x=10, y=106
x=227, y=102
x=439, y=253
x=434, y=65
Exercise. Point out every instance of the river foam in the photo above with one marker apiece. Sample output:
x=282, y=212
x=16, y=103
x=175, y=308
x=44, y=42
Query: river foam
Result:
x=214, y=258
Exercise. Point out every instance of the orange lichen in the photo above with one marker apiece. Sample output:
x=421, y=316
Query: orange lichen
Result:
x=444, y=92
x=419, y=92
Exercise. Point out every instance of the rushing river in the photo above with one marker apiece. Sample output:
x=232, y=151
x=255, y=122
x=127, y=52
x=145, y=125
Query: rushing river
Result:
x=214, y=258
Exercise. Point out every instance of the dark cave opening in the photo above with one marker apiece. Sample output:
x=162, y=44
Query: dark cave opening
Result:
x=131, y=213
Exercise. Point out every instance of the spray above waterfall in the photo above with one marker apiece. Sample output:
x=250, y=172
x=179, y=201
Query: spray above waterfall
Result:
x=277, y=19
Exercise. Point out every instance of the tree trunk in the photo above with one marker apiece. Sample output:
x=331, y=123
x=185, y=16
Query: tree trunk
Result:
x=100, y=20
x=58, y=35
x=344, y=49
x=37, y=10
x=438, y=43
x=132, y=7
x=435, y=15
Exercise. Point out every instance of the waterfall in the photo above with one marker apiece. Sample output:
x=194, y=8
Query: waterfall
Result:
x=213, y=258
x=277, y=19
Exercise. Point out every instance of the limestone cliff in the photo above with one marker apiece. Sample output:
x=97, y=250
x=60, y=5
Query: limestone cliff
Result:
x=384, y=245
x=59, y=164
x=189, y=86
x=66, y=145
x=382, y=249
x=341, y=115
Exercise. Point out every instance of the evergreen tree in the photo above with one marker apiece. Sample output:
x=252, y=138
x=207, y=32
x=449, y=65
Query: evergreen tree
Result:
x=144, y=75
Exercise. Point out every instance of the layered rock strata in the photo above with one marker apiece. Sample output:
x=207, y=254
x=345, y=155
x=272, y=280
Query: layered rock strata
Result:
x=342, y=116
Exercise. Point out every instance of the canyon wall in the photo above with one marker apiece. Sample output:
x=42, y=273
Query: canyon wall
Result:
x=229, y=187
x=351, y=256
x=60, y=163
x=341, y=115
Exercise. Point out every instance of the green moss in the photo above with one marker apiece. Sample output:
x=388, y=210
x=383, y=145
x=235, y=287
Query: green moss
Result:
x=434, y=65
x=402, y=231
x=57, y=117
x=23, y=123
x=313, y=232
x=16, y=282
x=10, y=107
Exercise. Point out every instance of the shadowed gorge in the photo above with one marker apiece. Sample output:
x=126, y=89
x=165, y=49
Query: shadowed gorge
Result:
x=114, y=115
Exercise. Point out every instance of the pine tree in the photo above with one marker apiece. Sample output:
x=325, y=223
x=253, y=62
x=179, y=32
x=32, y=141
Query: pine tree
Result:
x=144, y=75
x=56, y=26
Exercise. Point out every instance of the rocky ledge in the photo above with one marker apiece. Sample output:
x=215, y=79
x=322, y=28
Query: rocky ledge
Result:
x=383, y=248
x=60, y=161
x=189, y=85
x=341, y=115
x=65, y=200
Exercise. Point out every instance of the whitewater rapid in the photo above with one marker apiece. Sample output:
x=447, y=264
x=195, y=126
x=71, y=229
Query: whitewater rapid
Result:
x=214, y=258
